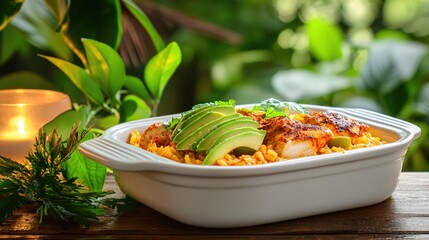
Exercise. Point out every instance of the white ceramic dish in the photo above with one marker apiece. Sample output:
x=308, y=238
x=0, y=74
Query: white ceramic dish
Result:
x=224, y=197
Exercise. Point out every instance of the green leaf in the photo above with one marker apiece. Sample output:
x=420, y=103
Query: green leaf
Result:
x=416, y=158
x=394, y=101
x=126, y=109
x=25, y=79
x=230, y=102
x=106, y=122
x=137, y=87
x=12, y=41
x=161, y=67
x=12, y=200
x=133, y=108
x=80, y=78
x=391, y=63
x=422, y=104
x=9, y=168
x=96, y=19
x=325, y=39
x=297, y=85
x=8, y=9
x=91, y=173
x=171, y=125
x=60, y=8
x=391, y=34
x=106, y=66
x=65, y=121
x=230, y=69
x=275, y=108
x=146, y=24
x=37, y=21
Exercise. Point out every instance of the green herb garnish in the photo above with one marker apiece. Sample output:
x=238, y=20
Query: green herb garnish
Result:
x=276, y=108
x=172, y=123
x=215, y=103
x=41, y=184
x=230, y=102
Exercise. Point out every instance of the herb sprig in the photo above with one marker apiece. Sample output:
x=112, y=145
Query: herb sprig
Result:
x=276, y=108
x=40, y=183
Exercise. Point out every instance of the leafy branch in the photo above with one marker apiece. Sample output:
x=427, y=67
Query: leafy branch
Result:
x=41, y=184
x=104, y=81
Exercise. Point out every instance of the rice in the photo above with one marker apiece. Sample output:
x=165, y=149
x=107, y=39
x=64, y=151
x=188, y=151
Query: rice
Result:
x=265, y=154
x=364, y=141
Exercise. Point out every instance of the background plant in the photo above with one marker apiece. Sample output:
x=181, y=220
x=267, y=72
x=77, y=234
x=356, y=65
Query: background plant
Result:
x=102, y=92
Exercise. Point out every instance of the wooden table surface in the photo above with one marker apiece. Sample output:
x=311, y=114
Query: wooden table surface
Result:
x=404, y=215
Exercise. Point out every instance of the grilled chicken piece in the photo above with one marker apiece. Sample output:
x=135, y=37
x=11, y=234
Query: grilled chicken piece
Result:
x=339, y=124
x=156, y=133
x=291, y=138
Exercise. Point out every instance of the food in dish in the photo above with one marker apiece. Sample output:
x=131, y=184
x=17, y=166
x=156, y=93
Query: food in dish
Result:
x=221, y=134
x=225, y=197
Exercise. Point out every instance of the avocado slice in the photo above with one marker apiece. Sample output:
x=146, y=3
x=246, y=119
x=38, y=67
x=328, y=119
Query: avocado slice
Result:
x=249, y=139
x=191, y=128
x=207, y=141
x=194, y=111
x=192, y=138
x=243, y=151
x=227, y=134
x=340, y=141
x=186, y=116
x=225, y=109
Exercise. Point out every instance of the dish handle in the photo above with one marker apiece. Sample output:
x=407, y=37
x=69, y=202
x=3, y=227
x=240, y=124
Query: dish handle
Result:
x=118, y=155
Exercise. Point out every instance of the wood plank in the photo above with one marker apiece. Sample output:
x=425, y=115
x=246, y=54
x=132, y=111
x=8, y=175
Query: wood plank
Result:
x=405, y=214
x=207, y=237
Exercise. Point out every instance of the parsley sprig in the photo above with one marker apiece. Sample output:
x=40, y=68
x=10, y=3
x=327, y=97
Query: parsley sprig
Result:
x=40, y=183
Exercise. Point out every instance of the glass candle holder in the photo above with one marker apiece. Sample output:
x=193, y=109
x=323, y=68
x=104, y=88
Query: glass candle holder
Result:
x=22, y=113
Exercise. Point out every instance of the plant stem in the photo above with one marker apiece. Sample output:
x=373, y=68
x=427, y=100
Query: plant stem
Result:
x=154, y=111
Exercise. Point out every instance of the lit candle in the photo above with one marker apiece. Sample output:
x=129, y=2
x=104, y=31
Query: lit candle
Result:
x=22, y=113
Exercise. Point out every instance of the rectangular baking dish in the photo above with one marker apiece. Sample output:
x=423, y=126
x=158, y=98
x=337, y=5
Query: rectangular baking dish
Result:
x=240, y=196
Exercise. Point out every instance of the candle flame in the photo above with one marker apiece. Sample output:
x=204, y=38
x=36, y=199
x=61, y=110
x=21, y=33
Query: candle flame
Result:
x=21, y=126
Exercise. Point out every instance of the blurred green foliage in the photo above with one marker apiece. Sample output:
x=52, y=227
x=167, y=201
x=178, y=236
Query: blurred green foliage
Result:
x=351, y=53
x=359, y=53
